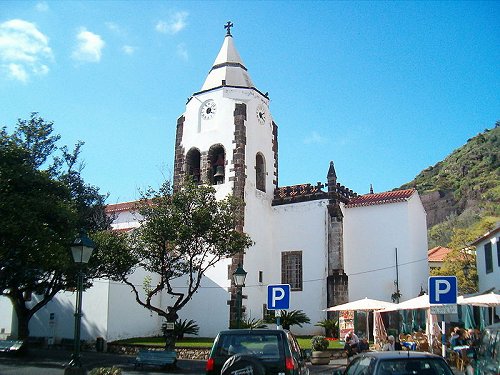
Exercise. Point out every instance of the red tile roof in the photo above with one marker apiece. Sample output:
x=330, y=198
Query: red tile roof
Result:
x=381, y=198
x=125, y=206
x=437, y=254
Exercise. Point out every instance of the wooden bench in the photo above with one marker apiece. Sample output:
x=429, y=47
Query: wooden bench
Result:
x=161, y=358
x=11, y=345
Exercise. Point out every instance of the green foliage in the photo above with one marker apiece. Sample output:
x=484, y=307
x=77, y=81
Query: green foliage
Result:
x=182, y=234
x=181, y=328
x=289, y=318
x=319, y=343
x=106, y=371
x=44, y=201
x=331, y=327
x=249, y=324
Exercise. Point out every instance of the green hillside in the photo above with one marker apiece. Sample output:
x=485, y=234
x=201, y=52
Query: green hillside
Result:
x=462, y=192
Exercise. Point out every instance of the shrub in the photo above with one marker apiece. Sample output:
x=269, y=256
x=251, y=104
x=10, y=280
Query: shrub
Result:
x=319, y=343
x=290, y=318
x=331, y=327
x=182, y=327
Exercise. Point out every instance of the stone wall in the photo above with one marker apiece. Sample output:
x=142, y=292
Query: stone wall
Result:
x=182, y=353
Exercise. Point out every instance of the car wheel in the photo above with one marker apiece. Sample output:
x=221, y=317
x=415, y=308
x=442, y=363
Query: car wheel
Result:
x=242, y=365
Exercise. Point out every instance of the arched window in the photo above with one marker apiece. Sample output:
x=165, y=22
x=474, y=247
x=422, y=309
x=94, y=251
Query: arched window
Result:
x=217, y=158
x=193, y=164
x=260, y=172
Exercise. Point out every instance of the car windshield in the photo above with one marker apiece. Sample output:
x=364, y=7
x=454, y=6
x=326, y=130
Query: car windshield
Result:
x=421, y=366
x=263, y=346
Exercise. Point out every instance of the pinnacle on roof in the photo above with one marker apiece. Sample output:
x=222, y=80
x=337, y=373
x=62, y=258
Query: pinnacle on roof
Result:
x=228, y=68
x=331, y=172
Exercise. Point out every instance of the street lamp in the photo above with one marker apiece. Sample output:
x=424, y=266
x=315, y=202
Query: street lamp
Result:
x=239, y=276
x=81, y=248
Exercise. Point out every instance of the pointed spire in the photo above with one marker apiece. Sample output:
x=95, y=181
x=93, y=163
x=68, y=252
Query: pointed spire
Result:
x=331, y=172
x=228, y=68
x=371, y=189
x=331, y=177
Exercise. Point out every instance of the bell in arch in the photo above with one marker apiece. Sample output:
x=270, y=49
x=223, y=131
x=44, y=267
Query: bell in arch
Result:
x=219, y=171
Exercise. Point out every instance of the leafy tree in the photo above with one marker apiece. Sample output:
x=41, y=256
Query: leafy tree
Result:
x=290, y=318
x=43, y=203
x=182, y=234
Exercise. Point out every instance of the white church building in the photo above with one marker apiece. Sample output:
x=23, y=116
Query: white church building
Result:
x=328, y=243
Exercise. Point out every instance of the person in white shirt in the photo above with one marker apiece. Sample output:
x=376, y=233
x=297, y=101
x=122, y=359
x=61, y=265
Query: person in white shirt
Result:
x=351, y=343
x=389, y=345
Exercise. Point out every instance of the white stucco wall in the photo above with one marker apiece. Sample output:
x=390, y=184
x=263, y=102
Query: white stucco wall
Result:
x=486, y=281
x=5, y=317
x=302, y=226
x=371, y=236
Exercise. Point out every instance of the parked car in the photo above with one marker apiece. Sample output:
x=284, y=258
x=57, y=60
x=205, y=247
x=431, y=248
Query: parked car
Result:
x=488, y=353
x=266, y=351
x=398, y=362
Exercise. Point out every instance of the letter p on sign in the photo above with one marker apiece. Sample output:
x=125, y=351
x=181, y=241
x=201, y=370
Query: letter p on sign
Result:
x=443, y=289
x=278, y=297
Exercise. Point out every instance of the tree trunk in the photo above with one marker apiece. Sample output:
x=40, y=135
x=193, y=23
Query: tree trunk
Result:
x=23, y=317
x=170, y=335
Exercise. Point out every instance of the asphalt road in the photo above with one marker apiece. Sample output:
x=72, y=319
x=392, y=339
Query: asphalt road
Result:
x=53, y=361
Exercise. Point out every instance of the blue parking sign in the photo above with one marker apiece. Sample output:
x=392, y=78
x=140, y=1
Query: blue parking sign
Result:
x=443, y=290
x=278, y=297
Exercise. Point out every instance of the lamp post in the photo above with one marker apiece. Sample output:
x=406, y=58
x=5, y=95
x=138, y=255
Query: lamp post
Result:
x=81, y=248
x=239, y=276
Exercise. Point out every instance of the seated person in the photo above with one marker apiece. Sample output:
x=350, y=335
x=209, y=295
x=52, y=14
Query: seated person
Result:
x=390, y=344
x=351, y=343
x=363, y=345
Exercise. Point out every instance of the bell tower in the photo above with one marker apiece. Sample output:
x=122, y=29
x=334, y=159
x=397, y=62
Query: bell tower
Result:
x=227, y=138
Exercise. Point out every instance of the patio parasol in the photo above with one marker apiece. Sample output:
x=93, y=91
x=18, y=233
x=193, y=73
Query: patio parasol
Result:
x=483, y=300
x=365, y=304
x=379, y=332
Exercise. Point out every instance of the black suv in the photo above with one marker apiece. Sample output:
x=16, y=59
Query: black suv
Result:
x=258, y=351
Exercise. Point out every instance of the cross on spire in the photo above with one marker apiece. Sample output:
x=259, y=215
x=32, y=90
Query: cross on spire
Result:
x=228, y=26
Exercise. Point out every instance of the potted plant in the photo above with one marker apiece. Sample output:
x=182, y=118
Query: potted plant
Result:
x=320, y=354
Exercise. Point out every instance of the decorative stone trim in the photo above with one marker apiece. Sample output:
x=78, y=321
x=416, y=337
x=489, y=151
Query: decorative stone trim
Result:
x=182, y=353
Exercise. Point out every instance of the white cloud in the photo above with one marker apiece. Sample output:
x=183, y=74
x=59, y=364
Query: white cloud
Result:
x=115, y=28
x=42, y=6
x=315, y=138
x=24, y=50
x=129, y=50
x=89, y=47
x=18, y=72
x=175, y=23
x=182, y=52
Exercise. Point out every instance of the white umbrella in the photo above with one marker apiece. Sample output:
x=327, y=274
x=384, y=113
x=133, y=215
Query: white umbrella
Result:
x=420, y=302
x=365, y=304
x=488, y=299
x=379, y=332
x=484, y=300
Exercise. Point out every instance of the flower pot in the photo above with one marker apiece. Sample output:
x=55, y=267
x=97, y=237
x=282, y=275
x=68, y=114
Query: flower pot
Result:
x=320, y=357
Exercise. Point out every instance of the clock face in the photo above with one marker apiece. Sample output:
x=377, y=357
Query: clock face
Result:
x=208, y=109
x=261, y=114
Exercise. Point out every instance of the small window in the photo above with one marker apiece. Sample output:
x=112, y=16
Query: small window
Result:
x=260, y=173
x=291, y=269
x=217, y=158
x=488, y=258
x=193, y=165
x=498, y=251
x=261, y=276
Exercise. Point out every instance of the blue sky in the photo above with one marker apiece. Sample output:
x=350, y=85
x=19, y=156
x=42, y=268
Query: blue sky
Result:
x=384, y=89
